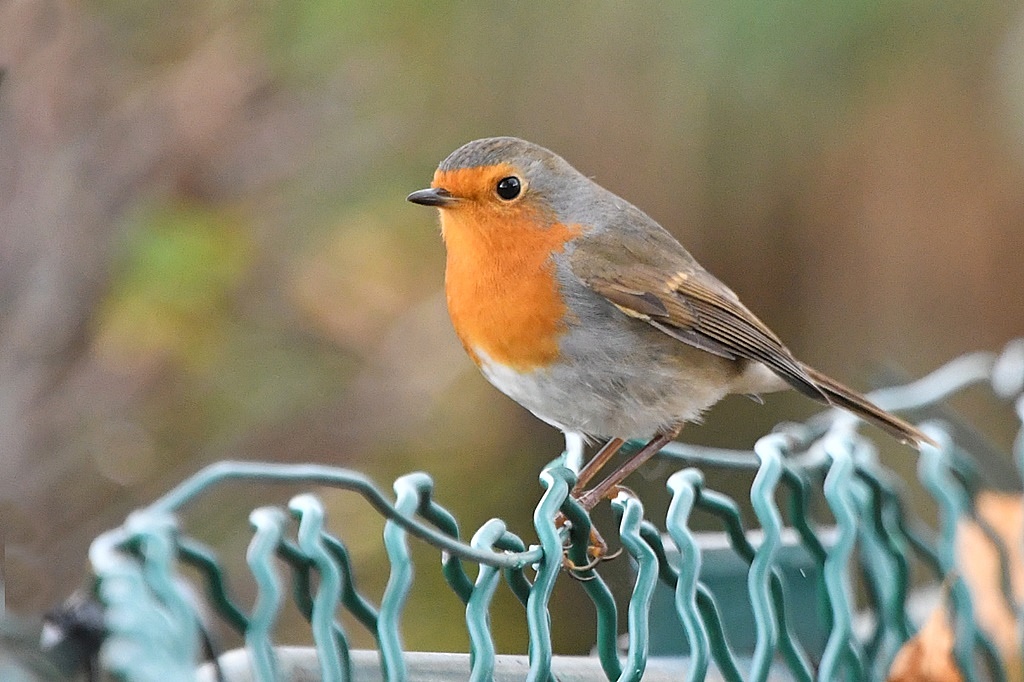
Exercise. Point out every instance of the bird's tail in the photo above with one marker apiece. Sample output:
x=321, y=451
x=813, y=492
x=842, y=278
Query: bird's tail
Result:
x=848, y=399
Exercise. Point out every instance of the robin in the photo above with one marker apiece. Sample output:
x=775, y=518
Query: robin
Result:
x=581, y=308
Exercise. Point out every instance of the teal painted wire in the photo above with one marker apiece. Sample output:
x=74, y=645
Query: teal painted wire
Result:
x=451, y=566
x=792, y=651
x=407, y=493
x=799, y=486
x=316, y=474
x=1003, y=558
x=712, y=621
x=572, y=457
x=889, y=529
x=268, y=524
x=604, y=603
x=331, y=645
x=456, y=577
x=639, y=611
x=965, y=468
x=727, y=511
x=354, y=602
x=593, y=584
x=933, y=470
x=579, y=527
x=481, y=643
x=515, y=577
x=607, y=644
x=556, y=488
x=923, y=542
x=763, y=582
x=971, y=368
x=720, y=650
x=302, y=581
x=876, y=567
x=128, y=650
x=138, y=626
x=725, y=508
x=652, y=536
x=762, y=492
x=302, y=586
x=916, y=535
x=155, y=534
x=885, y=579
x=1018, y=442
x=1008, y=371
x=205, y=561
x=1008, y=380
x=685, y=486
x=709, y=456
x=838, y=493
x=886, y=535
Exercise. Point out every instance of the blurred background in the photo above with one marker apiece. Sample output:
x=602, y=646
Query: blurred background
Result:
x=205, y=251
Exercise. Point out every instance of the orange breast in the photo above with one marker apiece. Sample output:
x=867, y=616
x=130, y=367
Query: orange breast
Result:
x=500, y=281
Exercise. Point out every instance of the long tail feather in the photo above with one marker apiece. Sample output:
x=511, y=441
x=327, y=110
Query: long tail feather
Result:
x=848, y=399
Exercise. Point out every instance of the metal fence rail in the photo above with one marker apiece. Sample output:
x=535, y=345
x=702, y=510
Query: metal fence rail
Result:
x=868, y=536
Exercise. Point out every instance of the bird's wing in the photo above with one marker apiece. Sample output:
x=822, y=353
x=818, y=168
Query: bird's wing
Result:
x=681, y=299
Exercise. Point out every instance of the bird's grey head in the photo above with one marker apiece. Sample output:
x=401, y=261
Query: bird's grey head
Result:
x=518, y=172
x=547, y=177
x=492, y=151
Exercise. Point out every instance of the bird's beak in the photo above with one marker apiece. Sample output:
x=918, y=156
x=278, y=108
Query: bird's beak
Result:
x=435, y=196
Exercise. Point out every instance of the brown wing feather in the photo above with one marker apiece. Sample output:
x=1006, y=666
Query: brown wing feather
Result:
x=652, y=309
x=689, y=309
x=675, y=295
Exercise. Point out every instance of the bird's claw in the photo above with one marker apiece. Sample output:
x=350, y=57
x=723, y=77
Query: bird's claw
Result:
x=578, y=572
x=597, y=551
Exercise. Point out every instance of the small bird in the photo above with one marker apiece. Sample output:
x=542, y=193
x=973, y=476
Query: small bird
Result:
x=584, y=310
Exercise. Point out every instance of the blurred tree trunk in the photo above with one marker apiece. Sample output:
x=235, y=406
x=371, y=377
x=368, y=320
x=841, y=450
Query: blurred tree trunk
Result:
x=83, y=136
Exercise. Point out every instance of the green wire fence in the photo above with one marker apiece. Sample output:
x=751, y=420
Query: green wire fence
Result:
x=847, y=525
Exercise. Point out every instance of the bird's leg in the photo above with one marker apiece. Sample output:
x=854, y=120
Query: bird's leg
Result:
x=598, y=547
x=597, y=463
x=590, y=498
x=598, y=550
x=588, y=472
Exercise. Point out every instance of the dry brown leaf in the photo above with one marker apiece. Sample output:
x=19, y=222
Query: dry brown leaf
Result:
x=928, y=655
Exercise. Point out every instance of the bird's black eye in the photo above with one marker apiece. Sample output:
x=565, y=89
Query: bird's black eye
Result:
x=509, y=188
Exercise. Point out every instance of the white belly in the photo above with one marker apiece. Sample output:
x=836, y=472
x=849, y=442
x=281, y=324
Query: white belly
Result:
x=605, y=401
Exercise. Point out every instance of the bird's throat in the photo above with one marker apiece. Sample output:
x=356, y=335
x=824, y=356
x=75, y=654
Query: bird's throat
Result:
x=503, y=296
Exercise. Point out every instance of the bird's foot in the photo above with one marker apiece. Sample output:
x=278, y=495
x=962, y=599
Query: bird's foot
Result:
x=597, y=553
x=597, y=549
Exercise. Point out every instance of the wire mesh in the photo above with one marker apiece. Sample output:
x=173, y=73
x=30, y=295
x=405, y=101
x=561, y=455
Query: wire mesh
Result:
x=868, y=537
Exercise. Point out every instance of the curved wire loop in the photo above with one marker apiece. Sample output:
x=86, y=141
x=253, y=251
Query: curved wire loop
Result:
x=842, y=514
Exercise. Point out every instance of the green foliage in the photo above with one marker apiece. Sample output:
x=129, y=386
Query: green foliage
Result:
x=173, y=293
